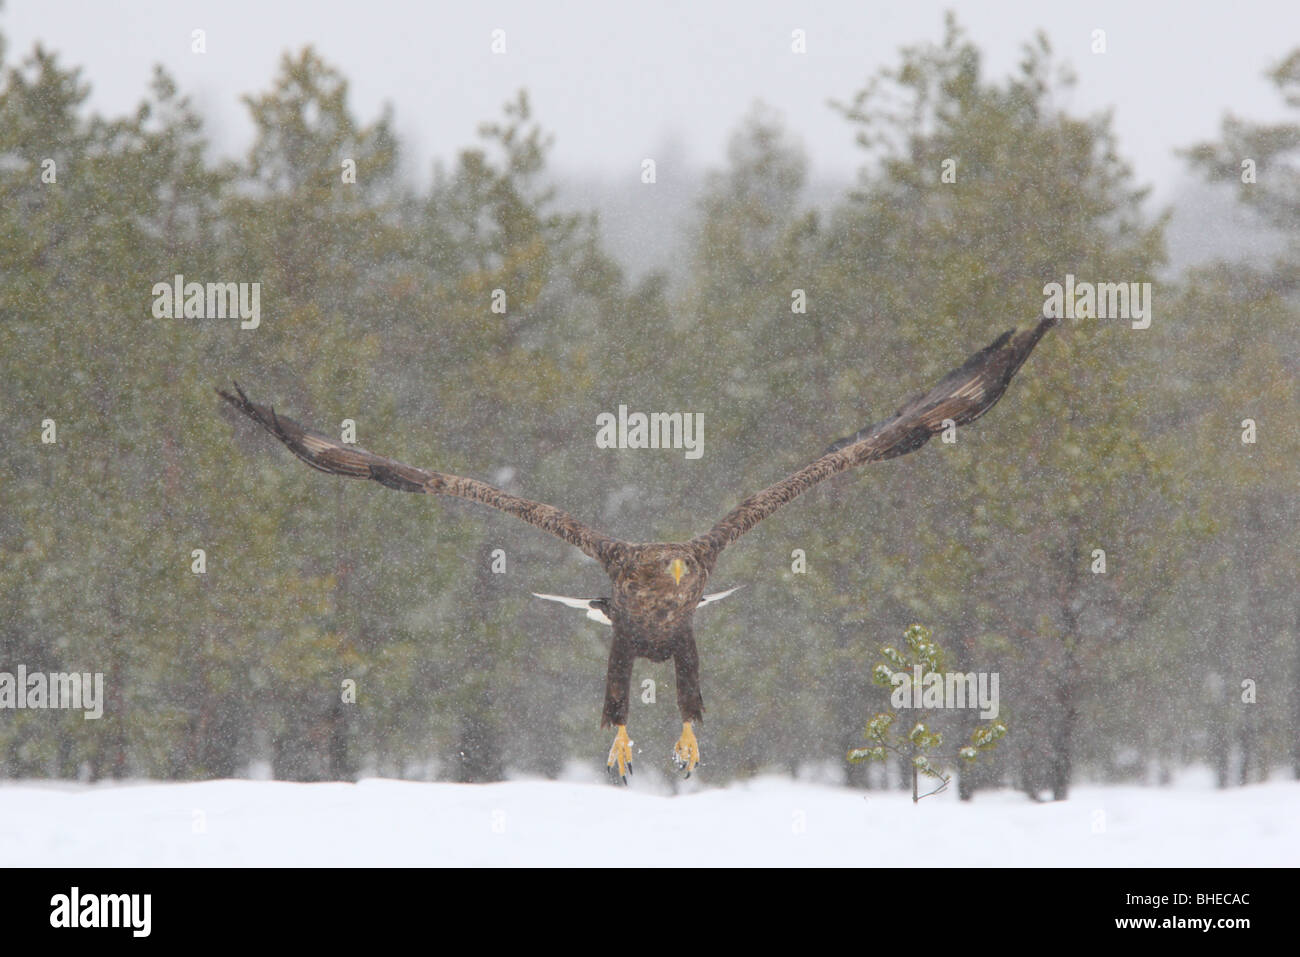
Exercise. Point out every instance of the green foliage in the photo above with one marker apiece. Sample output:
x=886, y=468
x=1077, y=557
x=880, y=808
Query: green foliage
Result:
x=1239, y=613
x=918, y=749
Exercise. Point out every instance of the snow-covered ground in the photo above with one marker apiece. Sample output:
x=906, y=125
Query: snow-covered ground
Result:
x=767, y=821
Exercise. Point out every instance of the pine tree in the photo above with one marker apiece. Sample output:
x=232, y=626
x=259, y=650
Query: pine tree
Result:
x=907, y=673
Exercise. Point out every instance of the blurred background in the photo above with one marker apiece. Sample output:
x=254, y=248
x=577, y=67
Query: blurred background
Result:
x=524, y=171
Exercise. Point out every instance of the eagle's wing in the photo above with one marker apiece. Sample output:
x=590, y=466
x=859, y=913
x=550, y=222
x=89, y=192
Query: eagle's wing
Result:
x=963, y=395
x=321, y=452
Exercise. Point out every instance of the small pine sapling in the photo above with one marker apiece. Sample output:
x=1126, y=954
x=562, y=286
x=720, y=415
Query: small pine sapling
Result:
x=905, y=673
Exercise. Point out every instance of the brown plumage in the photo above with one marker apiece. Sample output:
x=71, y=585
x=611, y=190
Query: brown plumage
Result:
x=657, y=587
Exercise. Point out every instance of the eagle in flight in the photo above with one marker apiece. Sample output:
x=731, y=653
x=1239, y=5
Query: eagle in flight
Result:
x=657, y=587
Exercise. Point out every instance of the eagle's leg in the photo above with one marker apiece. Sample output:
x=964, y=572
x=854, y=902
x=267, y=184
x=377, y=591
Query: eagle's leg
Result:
x=618, y=686
x=620, y=755
x=686, y=753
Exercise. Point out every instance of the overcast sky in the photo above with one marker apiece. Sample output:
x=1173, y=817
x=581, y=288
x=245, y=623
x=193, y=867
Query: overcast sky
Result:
x=619, y=82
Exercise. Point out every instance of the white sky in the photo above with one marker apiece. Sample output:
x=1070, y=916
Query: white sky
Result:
x=618, y=81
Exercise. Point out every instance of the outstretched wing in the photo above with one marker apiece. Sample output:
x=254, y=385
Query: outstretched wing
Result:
x=963, y=395
x=323, y=453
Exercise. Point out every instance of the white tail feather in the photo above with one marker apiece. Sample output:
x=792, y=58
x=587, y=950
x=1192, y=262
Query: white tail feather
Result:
x=588, y=604
x=717, y=596
x=596, y=614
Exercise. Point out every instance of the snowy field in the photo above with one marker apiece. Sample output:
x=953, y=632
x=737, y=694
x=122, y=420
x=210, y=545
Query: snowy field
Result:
x=767, y=821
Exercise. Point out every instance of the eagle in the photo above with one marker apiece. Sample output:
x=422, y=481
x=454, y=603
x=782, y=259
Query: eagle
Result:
x=657, y=587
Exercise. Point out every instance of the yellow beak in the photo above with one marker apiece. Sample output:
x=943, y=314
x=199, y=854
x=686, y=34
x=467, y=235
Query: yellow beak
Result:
x=678, y=567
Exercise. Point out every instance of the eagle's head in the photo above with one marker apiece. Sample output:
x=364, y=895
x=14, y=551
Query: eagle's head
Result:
x=679, y=569
x=668, y=570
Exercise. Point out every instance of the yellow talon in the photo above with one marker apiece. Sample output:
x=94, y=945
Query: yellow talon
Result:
x=686, y=753
x=620, y=754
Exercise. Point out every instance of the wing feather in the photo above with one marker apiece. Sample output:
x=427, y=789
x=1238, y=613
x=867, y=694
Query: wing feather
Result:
x=327, y=455
x=963, y=395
